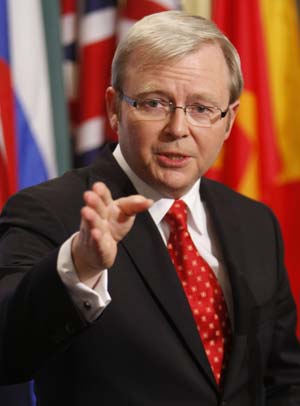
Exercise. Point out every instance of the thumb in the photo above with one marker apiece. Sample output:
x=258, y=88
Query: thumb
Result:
x=131, y=205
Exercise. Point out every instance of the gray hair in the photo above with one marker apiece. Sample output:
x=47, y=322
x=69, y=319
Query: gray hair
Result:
x=171, y=35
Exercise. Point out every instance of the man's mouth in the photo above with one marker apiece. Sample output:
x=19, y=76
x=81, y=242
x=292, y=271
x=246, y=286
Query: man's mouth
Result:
x=172, y=159
x=175, y=157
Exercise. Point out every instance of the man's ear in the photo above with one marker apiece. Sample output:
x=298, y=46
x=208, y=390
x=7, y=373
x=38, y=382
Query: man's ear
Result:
x=111, y=98
x=233, y=109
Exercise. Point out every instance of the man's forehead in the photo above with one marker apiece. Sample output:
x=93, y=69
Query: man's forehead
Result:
x=145, y=75
x=143, y=59
x=142, y=63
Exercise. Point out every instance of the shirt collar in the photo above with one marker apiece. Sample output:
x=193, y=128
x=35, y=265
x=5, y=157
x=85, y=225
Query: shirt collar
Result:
x=161, y=204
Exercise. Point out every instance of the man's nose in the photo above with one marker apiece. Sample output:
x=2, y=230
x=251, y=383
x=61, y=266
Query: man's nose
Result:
x=177, y=125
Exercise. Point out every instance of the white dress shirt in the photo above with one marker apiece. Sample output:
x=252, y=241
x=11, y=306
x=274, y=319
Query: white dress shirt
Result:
x=92, y=302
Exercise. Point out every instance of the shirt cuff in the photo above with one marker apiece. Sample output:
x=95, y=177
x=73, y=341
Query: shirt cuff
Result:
x=90, y=302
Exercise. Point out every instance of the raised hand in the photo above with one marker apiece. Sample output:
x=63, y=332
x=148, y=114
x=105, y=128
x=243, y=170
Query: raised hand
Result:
x=104, y=222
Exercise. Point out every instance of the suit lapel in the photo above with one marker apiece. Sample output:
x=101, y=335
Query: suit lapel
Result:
x=227, y=224
x=148, y=251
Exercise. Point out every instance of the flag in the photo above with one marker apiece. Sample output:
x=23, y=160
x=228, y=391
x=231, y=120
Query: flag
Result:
x=261, y=157
x=133, y=11
x=8, y=158
x=90, y=32
x=89, y=39
x=61, y=131
x=34, y=143
x=69, y=39
x=35, y=152
x=28, y=147
x=281, y=30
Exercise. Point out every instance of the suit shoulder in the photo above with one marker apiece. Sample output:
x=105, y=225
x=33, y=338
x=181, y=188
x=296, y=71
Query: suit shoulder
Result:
x=63, y=188
x=52, y=204
x=233, y=197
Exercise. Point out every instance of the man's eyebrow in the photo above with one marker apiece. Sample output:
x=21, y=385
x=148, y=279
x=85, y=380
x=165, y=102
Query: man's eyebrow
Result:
x=148, y=90
x=154, y=93
x=205, y=98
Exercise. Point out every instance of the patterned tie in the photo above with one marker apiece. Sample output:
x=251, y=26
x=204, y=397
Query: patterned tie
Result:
x=202, y=289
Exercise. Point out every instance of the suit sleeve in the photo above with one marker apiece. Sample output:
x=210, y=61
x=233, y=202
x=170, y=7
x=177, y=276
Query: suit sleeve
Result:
x=37, y=316
x=282, y=378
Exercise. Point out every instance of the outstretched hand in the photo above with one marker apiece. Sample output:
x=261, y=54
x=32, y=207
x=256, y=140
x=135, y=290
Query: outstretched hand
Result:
x=104, y=222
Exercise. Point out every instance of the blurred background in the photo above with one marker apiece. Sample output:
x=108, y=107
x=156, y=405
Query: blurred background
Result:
x=55, y=58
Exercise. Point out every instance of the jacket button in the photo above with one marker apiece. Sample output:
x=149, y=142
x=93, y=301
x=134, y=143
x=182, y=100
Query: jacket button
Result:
x=87, y=305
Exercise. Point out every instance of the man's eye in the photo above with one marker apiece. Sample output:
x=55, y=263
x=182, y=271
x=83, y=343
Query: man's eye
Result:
x=152, y=103
x=200, y=108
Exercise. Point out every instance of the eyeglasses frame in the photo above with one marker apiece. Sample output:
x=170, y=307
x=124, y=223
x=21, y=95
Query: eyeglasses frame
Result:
x=134, y=103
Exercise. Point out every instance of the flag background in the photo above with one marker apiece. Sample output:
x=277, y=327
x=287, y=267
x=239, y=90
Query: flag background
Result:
x=77, y=38
x=34, y=140
x=34, y=145
x=262, y=156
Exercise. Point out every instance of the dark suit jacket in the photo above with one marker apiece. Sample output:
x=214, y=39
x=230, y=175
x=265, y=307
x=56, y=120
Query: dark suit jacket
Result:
x=144, y=349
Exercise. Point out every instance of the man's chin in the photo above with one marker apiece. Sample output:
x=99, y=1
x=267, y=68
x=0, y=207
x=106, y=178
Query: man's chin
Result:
x=174, y=189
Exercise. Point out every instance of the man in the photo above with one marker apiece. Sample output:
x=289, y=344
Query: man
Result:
x=121, y=283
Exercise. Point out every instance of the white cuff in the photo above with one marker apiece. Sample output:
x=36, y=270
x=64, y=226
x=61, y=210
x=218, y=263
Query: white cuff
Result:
x=91, y=302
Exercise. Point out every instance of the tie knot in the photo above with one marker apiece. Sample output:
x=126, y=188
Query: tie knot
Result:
x=177, y=215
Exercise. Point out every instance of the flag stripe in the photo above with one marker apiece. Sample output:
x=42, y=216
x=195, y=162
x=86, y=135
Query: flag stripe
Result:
x=4, y=189
x=60, y=129
x=98, y=26
x=90, y=134
x=68, y=6
x=68, y=33
x=91, y=6
x=137, y=10
x=133, y=11
x=8, y=144
x=69, y=37
x=4, y=48
x=32, y=168
x=93, y=84
x=33, y=101
x=7, y=117
x=70, y=52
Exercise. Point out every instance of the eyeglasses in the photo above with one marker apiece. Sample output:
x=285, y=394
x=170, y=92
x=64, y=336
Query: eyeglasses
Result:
x=159, y=109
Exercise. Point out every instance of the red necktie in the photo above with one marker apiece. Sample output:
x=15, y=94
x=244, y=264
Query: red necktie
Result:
x=202, y=289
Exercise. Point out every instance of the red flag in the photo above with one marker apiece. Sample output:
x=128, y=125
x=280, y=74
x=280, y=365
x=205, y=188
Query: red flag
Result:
x=133, y=11
x=261, y=151
x=8, y=151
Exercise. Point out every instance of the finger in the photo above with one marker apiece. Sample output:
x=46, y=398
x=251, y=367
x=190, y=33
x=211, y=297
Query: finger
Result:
x=99, y=242
x=99, y=198
x=134, y=204
x=91, y=235
x=95, y=202
x=103, y=192
x=96, y=234
x=91, y=219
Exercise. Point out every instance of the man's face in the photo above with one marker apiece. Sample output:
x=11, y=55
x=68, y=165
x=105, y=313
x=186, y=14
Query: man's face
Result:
x=171, y=154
